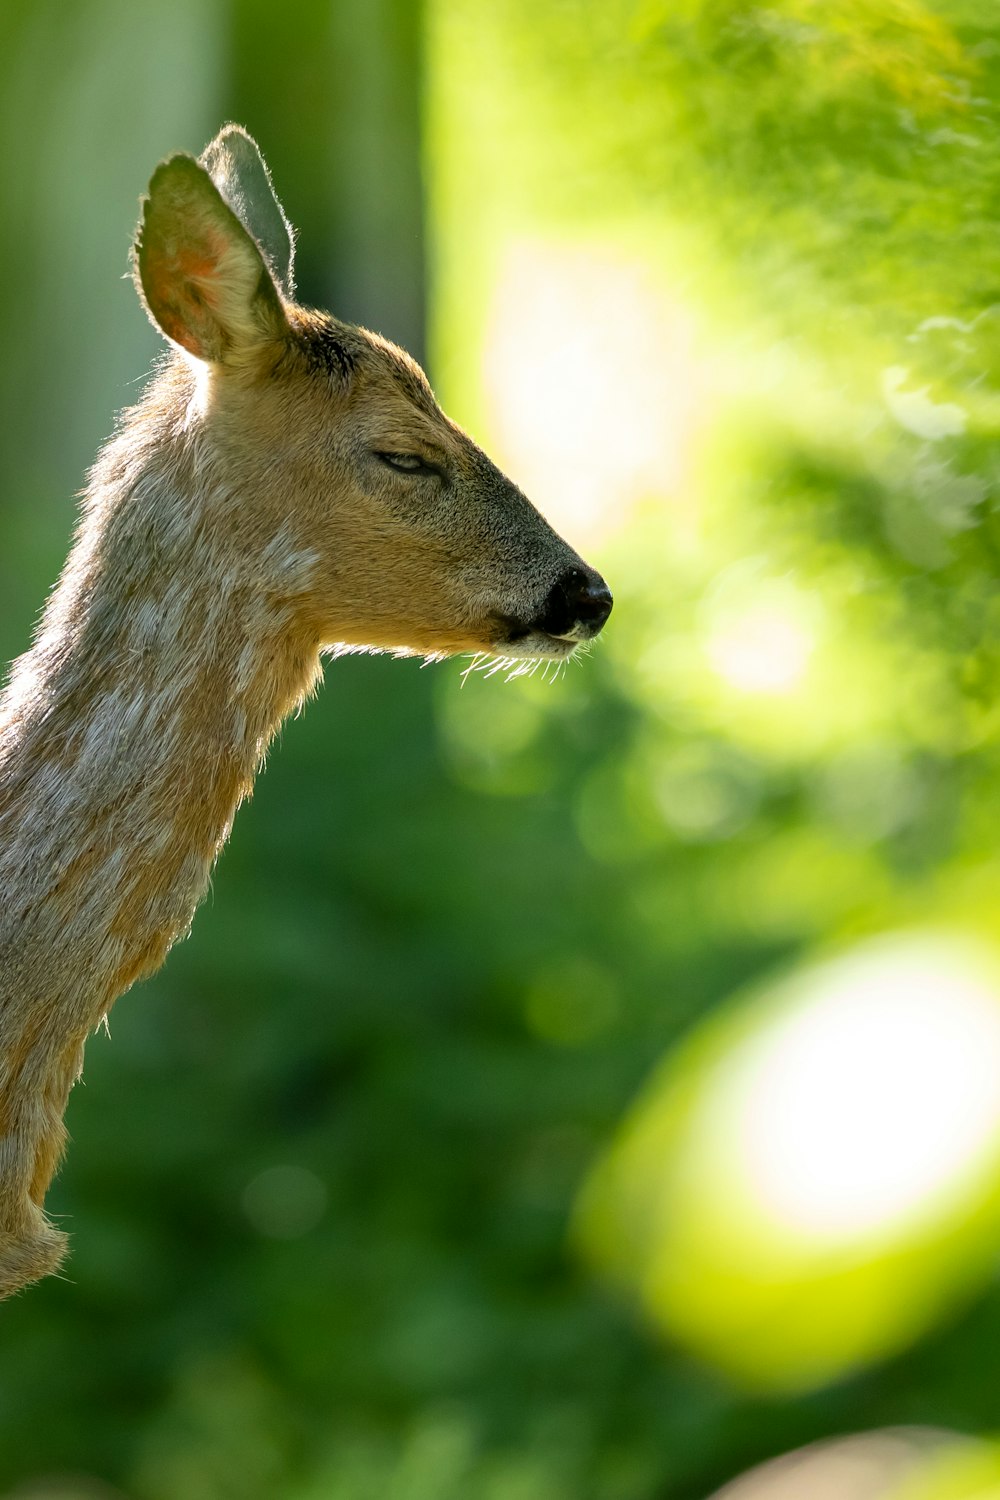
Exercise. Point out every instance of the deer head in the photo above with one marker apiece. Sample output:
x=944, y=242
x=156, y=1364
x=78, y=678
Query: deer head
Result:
x=404, y=534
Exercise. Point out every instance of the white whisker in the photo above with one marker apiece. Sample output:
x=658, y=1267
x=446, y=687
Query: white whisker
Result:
x=475, y=665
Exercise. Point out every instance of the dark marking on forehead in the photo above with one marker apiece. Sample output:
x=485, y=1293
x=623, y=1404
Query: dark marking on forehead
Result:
x=339, y=350
x=330, y=347
x=329, y=353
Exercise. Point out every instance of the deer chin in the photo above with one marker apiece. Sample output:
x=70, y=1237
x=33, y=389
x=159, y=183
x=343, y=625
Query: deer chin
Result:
x=534, y=645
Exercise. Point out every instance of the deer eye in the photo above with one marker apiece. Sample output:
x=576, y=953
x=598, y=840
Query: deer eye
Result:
x=406, y=463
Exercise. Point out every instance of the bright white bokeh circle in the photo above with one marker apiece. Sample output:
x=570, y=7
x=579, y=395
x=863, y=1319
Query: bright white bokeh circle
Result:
x=871, y=1101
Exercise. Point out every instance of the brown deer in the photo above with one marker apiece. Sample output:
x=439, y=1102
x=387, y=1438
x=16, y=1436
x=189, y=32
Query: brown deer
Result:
x=287, y=484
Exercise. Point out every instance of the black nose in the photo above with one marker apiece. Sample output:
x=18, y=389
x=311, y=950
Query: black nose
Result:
x=576, y=606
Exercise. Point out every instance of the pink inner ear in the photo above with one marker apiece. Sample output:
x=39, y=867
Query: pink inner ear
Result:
x=194, y=265
x=179, y=287
x=176, y=329
x=187, y=277
x=201, y=265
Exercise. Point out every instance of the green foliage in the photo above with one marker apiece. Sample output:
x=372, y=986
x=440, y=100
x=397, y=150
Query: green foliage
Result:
x=322, y=1176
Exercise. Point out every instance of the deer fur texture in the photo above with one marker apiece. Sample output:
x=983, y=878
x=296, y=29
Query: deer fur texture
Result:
x=287, y=484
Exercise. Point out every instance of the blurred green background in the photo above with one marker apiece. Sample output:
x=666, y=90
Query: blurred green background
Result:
x=361, y=1201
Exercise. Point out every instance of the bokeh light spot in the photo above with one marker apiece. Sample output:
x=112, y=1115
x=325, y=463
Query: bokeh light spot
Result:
x=284, y=1202
x=896, y=1463
x=863, y=1106
x=759, y=632
x=592, y=384
x=815, y=1175
x=572, y=1001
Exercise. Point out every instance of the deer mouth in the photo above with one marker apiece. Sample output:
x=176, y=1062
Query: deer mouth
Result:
x=524, y=643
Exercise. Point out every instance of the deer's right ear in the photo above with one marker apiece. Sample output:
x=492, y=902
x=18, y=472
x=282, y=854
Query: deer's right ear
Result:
x=235, y=165
x=199, y=273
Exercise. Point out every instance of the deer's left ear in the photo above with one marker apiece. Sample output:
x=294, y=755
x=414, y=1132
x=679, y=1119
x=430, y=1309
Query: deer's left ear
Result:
x=235, y=165
x=200, y=274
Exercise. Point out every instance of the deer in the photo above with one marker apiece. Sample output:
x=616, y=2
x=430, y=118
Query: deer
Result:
x=287, y=486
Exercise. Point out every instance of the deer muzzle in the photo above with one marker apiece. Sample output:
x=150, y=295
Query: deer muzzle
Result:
x=574, y=610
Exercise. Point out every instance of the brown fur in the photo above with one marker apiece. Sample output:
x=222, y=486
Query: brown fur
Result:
x=240, y=521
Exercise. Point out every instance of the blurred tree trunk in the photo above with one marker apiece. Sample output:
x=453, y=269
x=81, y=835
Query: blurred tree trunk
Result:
x=337, y=113
x=91, y=96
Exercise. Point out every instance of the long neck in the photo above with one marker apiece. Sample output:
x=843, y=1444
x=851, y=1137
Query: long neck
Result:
x=132, y=729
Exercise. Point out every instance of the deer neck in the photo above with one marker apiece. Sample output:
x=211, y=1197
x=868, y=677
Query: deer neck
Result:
x=133, y=728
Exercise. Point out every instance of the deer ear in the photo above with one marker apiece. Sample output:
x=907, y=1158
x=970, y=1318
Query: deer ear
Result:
x=199, y=273
x=235, y=165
